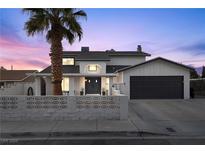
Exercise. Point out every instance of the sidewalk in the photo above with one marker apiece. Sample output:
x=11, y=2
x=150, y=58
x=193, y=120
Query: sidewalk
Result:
x=75, y=132
x=89, y=132
x=66, y=126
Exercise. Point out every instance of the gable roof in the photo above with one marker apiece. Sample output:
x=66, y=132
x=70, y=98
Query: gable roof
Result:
x=100, y=55
x=15, y=75
x=66, y=69
x=152, y=60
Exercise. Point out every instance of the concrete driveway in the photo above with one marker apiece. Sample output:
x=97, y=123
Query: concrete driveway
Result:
x=173, y=117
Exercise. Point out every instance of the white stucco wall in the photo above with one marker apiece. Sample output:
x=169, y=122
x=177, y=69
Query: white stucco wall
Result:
x=17, y=88
x=105, y=84
x=27, y=85
x=75, y=85
x=157, y=68
x=118, y=79
x=84, y=67
x=49, y=86
x=37, y=86
x=79, y=84
x=126, y=60
x=82, y=84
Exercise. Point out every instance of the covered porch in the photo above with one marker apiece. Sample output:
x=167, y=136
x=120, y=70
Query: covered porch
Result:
x=87, y=85
x=78, y=84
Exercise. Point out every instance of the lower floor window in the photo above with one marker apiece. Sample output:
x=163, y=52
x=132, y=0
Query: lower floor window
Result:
x=65, y=84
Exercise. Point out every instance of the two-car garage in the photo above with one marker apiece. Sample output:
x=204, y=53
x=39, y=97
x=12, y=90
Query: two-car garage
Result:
x=156, y=87
x=158, y=78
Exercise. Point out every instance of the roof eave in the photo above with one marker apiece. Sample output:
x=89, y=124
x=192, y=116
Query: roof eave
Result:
x=184, y=66
x=11, y=80
x=77, y=74
x=92, y=59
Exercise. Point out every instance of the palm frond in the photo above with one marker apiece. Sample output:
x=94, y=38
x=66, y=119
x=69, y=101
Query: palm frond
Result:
x=42, y=20
x=80, y=14
x=68, y=35
x=37, y=23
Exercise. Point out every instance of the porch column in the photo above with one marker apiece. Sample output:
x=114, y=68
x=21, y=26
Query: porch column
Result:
x=110, y=85
x=71, y=86
x=48, y=85
x=37, y=86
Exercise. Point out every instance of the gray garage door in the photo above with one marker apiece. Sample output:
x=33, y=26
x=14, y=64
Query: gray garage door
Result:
x=156, y=87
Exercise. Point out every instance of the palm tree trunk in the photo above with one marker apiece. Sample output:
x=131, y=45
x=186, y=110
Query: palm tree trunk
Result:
x=56, y=62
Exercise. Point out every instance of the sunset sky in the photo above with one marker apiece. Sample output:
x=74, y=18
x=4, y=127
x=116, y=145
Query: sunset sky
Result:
x=176, y=34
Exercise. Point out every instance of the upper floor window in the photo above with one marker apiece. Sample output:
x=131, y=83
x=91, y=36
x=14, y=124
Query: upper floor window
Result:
x=68, y=61
x=92, y=68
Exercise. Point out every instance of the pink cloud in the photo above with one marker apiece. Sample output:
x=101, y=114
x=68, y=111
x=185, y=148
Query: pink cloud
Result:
x=10, y=46
x=23, y=65
x=23, y=55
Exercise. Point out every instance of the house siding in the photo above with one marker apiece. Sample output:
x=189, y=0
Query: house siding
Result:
x=156, y=68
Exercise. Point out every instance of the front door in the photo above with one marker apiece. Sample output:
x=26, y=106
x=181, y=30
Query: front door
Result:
x=92, y=85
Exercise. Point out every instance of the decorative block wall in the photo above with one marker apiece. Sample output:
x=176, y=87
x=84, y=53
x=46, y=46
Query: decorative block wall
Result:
x=63, y=107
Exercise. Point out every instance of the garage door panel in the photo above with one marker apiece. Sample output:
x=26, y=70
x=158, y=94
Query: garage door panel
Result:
x=156, y=87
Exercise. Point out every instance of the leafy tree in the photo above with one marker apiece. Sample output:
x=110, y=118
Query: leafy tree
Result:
x=203, y=72
x=57, y=24
x=194, y=74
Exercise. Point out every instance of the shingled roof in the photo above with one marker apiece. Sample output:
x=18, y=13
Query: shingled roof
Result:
x=74, y=53
x=75, y=69
x=101, y=55
x=114, y=68
x=66, y=69
x=86, y=54
x=15, y=75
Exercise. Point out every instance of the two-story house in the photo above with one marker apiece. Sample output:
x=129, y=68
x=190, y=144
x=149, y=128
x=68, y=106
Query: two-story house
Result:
x=117, y=72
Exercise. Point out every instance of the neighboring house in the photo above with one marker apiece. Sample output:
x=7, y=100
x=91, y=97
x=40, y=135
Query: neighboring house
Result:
x=112, y=72
x=16, y=82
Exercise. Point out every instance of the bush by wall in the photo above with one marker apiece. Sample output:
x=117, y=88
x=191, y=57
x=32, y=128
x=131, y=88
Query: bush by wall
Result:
x=198, y=87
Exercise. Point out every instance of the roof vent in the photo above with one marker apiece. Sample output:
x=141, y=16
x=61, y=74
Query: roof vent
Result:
x=139, y=48
x=84, y=49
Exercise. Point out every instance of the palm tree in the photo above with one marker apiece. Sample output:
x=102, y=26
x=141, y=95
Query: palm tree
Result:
x=57, y=24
